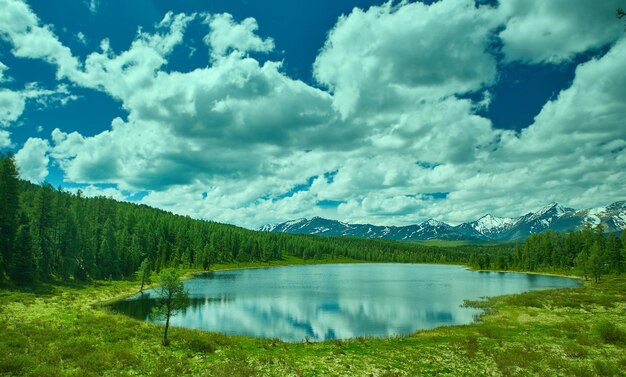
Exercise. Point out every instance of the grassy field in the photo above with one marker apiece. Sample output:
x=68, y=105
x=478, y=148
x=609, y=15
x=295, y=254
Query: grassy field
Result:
x=64, y=331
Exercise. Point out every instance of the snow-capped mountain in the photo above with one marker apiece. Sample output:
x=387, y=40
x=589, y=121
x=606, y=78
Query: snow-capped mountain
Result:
x=551, y=217
x=488, y=226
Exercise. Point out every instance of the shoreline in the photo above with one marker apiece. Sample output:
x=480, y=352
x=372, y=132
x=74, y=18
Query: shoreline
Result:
x=187, y=275
x=548, y=332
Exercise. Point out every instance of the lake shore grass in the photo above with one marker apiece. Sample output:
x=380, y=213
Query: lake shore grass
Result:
x=63, y=330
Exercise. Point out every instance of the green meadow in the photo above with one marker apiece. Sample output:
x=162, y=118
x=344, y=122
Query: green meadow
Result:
x=66, y=330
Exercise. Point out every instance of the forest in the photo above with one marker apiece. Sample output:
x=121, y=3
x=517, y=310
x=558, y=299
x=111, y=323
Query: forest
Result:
x=49, y=234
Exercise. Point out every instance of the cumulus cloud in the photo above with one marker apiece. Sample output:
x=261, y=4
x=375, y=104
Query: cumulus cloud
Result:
x=5, y=139
x=228, y=35
x=539, y=31
x=196, y=125
x=578, y=140
x=3, y=68
x=32, y=160
x=13, y=103
x=91, y=191
x=392, y=141
x=370, y=63
x=134, y=69
x=186, y=132
x=11, y=106
x=21, y=27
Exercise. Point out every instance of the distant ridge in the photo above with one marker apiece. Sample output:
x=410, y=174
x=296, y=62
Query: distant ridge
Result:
x=487, y=228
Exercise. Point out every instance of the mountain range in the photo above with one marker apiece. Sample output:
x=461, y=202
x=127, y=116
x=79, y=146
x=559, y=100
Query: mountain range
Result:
x=487, y=228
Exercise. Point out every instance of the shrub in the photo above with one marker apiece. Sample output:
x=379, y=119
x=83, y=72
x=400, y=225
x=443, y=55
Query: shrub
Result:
x=471, y=346
x=610, y=333
x=606, y=368
x=202, y=344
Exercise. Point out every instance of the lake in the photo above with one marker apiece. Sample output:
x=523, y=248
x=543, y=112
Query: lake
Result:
x=337, y=301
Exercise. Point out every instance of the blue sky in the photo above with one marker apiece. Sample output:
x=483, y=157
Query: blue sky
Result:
x=251, y=112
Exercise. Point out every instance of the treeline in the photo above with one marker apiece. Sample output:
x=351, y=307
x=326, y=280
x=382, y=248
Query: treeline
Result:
x=589, y=252
x=49, y=234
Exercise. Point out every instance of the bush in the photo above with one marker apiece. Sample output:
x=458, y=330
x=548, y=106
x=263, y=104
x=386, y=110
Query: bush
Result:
x=610, y=333
x=606, y=368
x=202, y=344
x=471, y=346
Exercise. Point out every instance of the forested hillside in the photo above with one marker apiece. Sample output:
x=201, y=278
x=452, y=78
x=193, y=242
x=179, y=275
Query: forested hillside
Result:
x=49, y=234
x=52, y=234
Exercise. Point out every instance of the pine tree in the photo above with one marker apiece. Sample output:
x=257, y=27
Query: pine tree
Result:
x=582, y=264
x=597, y=262
x=41, y=229
x=22, y=269
x=206, y=258
x=9, y=207
x=614, y=253
x=143, y=274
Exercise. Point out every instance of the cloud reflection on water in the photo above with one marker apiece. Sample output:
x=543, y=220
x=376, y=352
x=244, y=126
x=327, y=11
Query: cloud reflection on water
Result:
x=337, y=301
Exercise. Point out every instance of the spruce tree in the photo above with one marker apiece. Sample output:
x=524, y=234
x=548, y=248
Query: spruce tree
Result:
x=22, y=269
x=143, y=274
x=9, y=205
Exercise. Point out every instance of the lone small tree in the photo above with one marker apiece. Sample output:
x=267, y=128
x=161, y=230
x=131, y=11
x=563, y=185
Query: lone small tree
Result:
x=143, y=273
x=172, y=297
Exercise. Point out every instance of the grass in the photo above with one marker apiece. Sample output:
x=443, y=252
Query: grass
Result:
x=64, y=331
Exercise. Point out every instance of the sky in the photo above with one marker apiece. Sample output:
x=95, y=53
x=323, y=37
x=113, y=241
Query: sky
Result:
x=384, y=112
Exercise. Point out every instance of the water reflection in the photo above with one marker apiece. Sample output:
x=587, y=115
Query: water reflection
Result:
x=337, y=301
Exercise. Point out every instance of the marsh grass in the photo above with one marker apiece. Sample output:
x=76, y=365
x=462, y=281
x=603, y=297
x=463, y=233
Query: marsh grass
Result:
x=64, y=331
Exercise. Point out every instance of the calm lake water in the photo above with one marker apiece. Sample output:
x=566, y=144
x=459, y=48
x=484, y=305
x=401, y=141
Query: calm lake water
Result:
x=337, y=301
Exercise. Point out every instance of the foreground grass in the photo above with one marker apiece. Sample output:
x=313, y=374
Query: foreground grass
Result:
x=64, y=331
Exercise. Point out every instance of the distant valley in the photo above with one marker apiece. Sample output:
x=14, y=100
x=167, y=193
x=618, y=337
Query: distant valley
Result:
x=611, y=218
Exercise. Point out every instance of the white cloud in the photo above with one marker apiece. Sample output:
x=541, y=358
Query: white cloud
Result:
x=20, y=26
x=93, y=5
x=5, y=139
x=553, y=31
x=578, y=141
x=3, y=68
x=370, y=63
x=32, y=160
x=241, y=124
x=13, y=103
x=92, y=191
x=194, y=125
x=43, y=97
x=135, y=69
x=391, y=130
x=227, y=35
x=80, y=36
x=12, y=106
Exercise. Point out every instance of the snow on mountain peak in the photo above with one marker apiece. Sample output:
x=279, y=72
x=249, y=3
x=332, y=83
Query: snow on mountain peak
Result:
x=488, y=227
x=552, y=207
x=433, y=222
x=296, y=221
x=489, y=223
x=268, y=227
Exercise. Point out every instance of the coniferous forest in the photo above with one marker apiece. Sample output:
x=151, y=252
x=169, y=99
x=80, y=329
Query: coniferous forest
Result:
x=49, y=234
